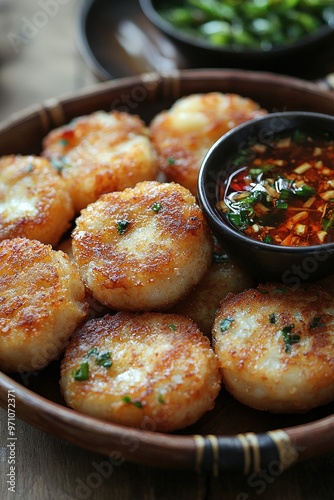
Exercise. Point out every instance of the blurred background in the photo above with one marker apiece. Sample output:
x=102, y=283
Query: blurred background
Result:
x=38, y=52
x=52, y=47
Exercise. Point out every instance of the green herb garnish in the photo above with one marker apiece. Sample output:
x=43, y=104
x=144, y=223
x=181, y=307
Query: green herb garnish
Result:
x=220, y=257
x=241, y=219
x=305, y=191
x=267, y=239
x=282, y=204
x=225, y=324
x=57, y=164
x=255, y=171
x=171, y=161
x=161, y=399
x=122, y=226
x=92, y=351
x=82, y=373
x=285, y=194
x=281, y=290
x=172, y=327
x=299, y=136
x=316, y=322
x=289, y=338
x=156, y=207
x=272, y=318
x=103, y=359
x=242, y=157
x=328, y=223
x=128, y=400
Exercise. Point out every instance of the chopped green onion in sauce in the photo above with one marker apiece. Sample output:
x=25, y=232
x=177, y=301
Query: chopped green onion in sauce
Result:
x=172, y=327
x=283, y=192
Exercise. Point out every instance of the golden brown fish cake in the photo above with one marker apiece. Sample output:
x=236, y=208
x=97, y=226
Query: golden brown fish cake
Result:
x=275, y=347
x=183, y=134
x=42, y=301
x=155, y=371
x=142, y=248
x=201, y=304
x=95, y=308
x=34, y=201
x=100, y=153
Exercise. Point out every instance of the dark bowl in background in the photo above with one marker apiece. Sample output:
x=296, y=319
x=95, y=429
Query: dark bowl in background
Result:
x=265, y=262
x=38, y=398
x=199, y=52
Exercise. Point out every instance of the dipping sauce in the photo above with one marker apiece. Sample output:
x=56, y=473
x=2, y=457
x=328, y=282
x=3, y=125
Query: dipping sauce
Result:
x=282, y=192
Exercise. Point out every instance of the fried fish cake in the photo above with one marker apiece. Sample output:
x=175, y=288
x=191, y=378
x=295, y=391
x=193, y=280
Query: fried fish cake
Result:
x=155, y=371
x=95, y=308
x=183, y=134
x=275, y=347
x=42, y=301
x=202, y=303
x=101, y=153
x=143, y=248
x=34, y=201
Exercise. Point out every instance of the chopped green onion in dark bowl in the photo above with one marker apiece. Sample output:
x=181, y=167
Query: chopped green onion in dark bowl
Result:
x=242, y=28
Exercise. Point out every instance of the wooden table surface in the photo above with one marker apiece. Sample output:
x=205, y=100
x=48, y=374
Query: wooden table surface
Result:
x=46, y=65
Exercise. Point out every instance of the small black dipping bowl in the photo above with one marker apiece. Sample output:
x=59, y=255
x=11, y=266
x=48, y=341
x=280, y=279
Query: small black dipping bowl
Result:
x=264, y=261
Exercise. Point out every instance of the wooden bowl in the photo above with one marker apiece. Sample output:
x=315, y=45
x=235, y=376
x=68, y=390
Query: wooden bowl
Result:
x=232, y=437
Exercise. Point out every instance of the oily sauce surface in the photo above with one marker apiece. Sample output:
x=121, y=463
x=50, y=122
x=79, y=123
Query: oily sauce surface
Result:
x=283, y=192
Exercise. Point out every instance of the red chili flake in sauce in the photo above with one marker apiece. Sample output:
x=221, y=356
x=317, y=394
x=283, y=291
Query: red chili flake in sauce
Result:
x=283, y=192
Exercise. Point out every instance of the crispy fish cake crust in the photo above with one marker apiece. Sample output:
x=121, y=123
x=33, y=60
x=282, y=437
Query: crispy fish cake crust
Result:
x=183, y=134
x=100, y=153
x=142, y=248
x=34, y=201
x=202, y=302
x=95, y=308
x=275, y=347
x=163, y=375
x=41, y=303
